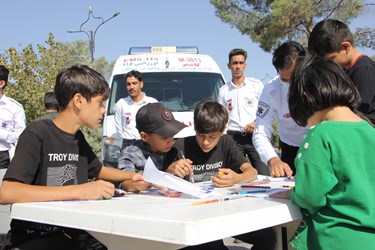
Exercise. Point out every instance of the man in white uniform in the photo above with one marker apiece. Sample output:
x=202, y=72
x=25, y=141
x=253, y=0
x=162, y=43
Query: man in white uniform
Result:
x=273, y=105
x=12, y=120
x=241, y=96
x=127, y=108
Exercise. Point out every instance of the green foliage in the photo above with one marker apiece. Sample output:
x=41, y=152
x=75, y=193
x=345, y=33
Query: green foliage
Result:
x=275, y=135
x=271, y=22
x=365, y=37
x=33, y=73
x=93, y=137
x=79, y=53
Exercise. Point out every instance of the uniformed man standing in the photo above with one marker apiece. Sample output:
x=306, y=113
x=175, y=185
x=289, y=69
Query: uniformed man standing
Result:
x=273, y=106
x=240, y=96
x=12, y=120
x=127, y=108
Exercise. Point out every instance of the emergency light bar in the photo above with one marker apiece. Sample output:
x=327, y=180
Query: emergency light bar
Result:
x=163, y=50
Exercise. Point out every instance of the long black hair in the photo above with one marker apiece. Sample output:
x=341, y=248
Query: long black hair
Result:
x=319, y=83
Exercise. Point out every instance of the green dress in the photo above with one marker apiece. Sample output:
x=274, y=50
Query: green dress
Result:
x=335, y=187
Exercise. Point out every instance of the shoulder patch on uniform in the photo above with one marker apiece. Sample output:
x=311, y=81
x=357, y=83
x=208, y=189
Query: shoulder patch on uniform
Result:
x=252, y=79
x=15, y=102
x=263, y=109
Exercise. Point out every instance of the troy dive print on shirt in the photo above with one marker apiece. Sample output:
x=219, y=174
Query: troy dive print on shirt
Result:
x=67, y=173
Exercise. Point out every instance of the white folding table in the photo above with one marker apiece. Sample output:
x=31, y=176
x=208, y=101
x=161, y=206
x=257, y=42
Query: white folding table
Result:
x=142, y=221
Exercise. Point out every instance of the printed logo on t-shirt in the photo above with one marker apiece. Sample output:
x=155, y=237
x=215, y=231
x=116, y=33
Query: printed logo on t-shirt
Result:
x=63, y=157
x=203, y=172
x=204, y=177
x=263, y=109
x=58, y=176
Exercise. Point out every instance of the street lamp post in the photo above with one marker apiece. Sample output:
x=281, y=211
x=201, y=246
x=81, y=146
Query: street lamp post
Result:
x=91, y=34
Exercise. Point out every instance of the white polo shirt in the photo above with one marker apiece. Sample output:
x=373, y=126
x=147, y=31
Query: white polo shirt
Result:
x=12, y=122
x=241, y=102
x=125, y=113
x=273, y=105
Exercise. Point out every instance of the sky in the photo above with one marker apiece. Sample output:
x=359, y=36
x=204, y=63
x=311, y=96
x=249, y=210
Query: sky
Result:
x=141, y=23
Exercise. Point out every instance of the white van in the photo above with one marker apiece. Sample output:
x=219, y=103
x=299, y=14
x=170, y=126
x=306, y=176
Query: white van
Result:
x=177, y=76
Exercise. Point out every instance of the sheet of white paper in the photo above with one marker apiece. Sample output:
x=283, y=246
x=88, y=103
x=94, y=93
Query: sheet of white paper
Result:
x=153, y=175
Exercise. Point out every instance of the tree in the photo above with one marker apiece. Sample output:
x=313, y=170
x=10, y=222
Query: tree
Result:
x=79, y=53
x=33, y=73
x=271, y=22
x=365, y=38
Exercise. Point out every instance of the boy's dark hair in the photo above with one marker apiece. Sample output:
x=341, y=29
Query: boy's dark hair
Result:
x=235, y=52
x=286, y=54
x=79, y=79
x=319, y=83
x=327, y=36
x=4, y=74
x=134, y=73
x=210, y=116
x=50, y=101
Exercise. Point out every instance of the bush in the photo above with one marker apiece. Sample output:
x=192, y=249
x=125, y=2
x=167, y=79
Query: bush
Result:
x=94, y=137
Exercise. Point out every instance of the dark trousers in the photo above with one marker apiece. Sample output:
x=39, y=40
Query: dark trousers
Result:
x=263, y=239
x=213, y=245
x=4, y=159
x=288, y=154
x=72, y=239
x=245, y=145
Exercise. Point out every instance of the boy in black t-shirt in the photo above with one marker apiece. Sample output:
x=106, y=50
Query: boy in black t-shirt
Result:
x=213, y=155
x=332, y=39
x=53, y=162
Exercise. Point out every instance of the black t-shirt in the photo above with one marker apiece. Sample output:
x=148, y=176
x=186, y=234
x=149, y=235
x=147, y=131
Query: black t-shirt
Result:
x=205, y=165
x=362, y=73
x=48, y=156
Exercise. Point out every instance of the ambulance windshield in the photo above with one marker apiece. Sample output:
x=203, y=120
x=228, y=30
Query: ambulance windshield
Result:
x=179, y=91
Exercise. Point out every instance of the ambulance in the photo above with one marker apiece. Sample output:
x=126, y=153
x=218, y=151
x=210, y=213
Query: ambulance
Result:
x=177, y=76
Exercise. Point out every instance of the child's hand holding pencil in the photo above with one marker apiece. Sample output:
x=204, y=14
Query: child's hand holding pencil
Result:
x=191, y=176
x=181, y=168
x=224, y=177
